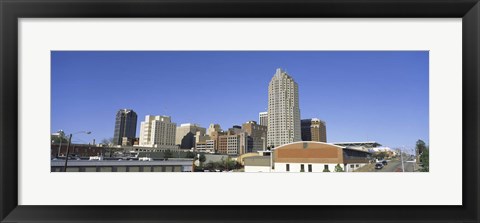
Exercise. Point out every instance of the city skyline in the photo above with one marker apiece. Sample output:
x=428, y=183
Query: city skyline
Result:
x=199, y=87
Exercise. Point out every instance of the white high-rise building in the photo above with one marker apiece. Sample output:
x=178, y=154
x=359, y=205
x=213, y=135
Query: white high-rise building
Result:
x=283, y=110
x=158, y=131
x=263, y=118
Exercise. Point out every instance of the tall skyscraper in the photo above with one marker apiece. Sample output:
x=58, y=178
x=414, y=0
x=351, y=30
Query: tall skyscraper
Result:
x=283, y=110
x=314, y=130
x=125, y=125
x=158, y=131
x=263, y=118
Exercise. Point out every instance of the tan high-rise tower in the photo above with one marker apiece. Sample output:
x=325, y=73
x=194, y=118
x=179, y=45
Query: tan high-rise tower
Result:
x=283, y=110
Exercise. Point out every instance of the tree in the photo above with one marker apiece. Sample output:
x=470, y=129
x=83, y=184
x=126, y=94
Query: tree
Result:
x=380, y=155
x=57, y=139
x=107, y=142
x=212, y=166
x=421, y=143
x=424, y=158
x=423, y=155
x=230, y=164
x=338, y=168
x=167, y=154
x=420, y=147
x=60, y=137
x=227, y=164
x=202, y=158
x=190, y=154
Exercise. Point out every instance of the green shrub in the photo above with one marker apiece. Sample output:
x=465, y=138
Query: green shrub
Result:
x=338, y=168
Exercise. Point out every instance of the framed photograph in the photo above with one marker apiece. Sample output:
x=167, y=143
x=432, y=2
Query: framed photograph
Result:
x=219, y=111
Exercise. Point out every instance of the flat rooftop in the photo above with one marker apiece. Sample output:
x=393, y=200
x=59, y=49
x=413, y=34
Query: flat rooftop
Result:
x=257, y=161
x=122, y=163
x=368, y=144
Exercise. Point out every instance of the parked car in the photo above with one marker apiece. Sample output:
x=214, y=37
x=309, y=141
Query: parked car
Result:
x=384, y=162
x=378, y=166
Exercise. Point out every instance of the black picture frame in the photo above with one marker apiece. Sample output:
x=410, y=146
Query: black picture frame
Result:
x=12, y=10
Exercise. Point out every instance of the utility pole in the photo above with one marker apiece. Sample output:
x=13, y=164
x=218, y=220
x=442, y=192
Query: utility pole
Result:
x=414, y=161
x=401, y=156
x=66, y=154
x=68, y=148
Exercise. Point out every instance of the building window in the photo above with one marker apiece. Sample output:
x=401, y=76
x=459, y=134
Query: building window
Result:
x=309, y=167
x=352, y=166
x=288, y=167
x=302, y=168
x=325, y=168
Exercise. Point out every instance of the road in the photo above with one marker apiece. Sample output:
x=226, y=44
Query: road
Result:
x=396, y=166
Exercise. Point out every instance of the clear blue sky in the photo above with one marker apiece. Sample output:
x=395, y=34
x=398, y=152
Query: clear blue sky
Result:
x=362, y=95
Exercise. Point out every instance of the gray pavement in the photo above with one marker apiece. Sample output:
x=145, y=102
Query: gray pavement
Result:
x=396, y=166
